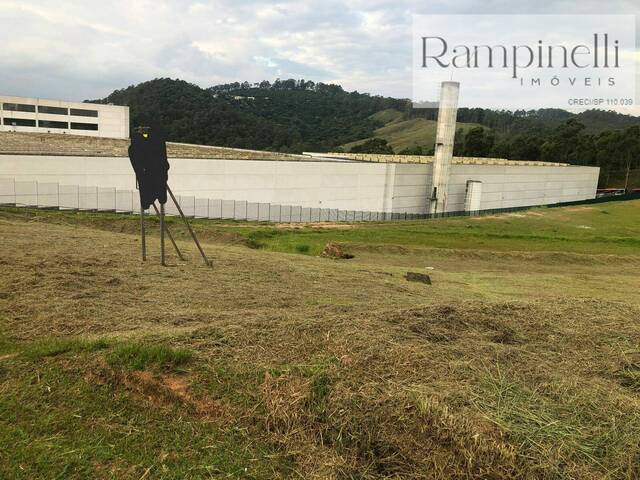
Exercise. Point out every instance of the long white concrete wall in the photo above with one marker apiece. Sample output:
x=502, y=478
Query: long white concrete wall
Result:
x=511, y=186
x=354, y=186
x=502, y=186
x=324, y=184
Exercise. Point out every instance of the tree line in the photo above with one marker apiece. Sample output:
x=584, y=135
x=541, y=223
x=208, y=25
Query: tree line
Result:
x=614, y=151
x=295, y=115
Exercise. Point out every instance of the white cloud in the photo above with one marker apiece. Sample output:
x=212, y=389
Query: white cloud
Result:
x=78, y=49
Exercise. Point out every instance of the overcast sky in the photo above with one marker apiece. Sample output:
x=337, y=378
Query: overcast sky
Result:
x=82, y=49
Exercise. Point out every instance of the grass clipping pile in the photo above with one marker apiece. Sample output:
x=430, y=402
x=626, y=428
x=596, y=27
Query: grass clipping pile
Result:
x=456, y=391
x=336, y=251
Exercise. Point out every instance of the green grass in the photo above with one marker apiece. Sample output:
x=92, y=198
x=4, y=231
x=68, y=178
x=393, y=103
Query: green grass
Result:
x=601, y=228
x=387, y=116
x=138, y=356
x=7, y=346
x=302, y=248
x=405, y=133
x=62, y=415
x=51, y=347
x=561, y=421
x=53, y=424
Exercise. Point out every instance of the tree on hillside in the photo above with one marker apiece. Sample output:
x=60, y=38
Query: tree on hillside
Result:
x=374, y=145
x=478, y=142
x=525, y=147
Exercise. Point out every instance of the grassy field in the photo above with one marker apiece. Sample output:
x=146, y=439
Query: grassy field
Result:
x=521, y=360
x=401, y=133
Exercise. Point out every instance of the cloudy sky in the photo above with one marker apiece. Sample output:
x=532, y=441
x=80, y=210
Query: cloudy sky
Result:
x=81, y=49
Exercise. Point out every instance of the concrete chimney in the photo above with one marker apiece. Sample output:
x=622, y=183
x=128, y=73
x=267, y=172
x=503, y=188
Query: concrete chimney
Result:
x=443, y=157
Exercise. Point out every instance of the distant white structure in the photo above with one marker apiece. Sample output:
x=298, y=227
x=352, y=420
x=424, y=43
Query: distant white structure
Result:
x=443, y=156
x=321, y=182
x=25, y=114
x=473, y=196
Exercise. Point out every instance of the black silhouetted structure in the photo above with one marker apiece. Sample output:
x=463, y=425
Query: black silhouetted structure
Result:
x=148, y=156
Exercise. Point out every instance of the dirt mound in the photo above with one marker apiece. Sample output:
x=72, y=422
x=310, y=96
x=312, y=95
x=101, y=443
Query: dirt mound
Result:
x=335, y=250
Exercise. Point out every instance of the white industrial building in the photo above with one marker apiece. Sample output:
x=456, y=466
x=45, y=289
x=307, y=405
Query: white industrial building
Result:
x=353, y=185
x=356, y=182
x=38, y=115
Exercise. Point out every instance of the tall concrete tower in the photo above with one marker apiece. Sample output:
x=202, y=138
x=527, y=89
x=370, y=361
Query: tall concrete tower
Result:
x=443, y=157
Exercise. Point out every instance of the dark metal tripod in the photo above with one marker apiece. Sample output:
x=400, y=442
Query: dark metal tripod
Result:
x=142, y=232
x=193, y=235
x=164, y=228
x=160, y=213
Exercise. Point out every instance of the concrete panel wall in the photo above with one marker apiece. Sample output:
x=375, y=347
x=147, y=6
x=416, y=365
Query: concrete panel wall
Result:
x=410, y=187
x=356, y=186
x=323, y=184
x=519, y=186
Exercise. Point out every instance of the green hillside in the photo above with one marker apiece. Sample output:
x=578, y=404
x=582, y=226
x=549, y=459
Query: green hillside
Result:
x=299, y=115
x=285, y=116
x=401, y=133
x=387, y=116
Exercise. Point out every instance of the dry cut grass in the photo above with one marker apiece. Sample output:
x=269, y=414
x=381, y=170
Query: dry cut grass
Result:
x=273, y=365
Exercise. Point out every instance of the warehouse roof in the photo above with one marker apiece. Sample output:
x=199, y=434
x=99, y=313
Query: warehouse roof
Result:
x=380, y=158
x=19, y=143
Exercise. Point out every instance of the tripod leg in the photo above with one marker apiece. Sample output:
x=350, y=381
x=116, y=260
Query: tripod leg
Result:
x=162, y=228
x=142, y=235
x=166, y=228
x=193, y=235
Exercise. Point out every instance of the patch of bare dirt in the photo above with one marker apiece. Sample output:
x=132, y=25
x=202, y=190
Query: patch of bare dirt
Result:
x=316, y=225
x=161, y=390
x=577, y=209
x=336, y=251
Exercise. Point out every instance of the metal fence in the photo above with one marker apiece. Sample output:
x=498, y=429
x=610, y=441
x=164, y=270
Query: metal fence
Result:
x=74, y=197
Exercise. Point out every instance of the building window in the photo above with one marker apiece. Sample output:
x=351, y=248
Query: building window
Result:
x=18, y=107
x=81, y=112
x=84, y=126
x=19, y=122
x=53, y=110
x=52, y=124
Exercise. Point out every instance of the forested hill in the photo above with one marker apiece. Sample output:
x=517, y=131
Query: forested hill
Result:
x=289, y=116
x=298, y=115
